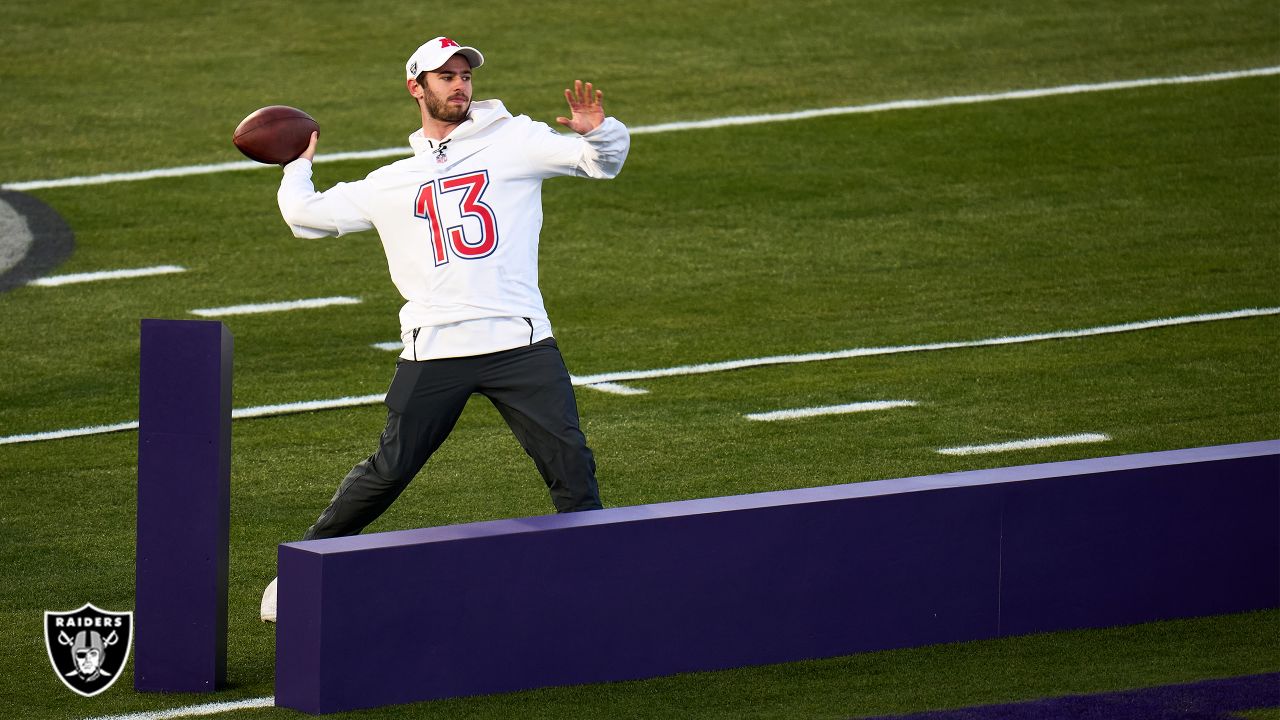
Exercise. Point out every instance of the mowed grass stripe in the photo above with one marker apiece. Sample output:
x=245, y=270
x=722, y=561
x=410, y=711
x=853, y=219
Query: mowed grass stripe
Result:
x=908, y=104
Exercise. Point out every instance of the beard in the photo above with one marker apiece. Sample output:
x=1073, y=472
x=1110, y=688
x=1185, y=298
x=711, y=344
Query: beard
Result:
x=441, y=110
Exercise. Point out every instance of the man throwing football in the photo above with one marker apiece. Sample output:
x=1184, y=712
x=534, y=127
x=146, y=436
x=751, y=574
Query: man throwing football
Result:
x=459, y=223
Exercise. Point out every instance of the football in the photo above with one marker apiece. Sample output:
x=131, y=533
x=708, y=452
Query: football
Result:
x=275, y=135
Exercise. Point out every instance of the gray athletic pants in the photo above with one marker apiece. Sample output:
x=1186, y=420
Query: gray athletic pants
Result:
x=531, y=389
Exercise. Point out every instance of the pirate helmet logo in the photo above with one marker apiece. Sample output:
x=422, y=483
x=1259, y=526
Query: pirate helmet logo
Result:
x=88, y=647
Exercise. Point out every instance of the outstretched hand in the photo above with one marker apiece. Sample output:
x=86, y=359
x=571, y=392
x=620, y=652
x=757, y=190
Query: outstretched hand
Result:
x=586, y=105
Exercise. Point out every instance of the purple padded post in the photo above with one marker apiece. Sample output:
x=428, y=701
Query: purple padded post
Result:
x=652, y=590
x=184, y=506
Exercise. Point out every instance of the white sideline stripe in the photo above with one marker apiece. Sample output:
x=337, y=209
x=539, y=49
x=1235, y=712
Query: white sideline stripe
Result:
x=55, y=280
x=953, y=100
x=75, y=432
x=274, y=307
x=611, y=388
x=615, y=388
x=307, y=406
x=896, y=349
x=265, y=410
x=109, y=178
x=685, y=125
x=830, y=410
x=194, y=710
x=1025, y=444
x=236, y=414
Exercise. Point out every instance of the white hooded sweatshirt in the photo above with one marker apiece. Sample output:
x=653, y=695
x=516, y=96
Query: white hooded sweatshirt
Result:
x=459, y=223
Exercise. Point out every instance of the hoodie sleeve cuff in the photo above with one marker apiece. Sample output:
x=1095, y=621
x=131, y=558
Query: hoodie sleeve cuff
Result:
x=298, y=167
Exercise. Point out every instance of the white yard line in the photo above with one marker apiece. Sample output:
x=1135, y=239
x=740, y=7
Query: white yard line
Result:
x=590, y=380
x=275, y=307
x=55, y=280
x=705, y=368
x=857, y=407
x=688, y=125
x=193, y=710
x=1033, y=443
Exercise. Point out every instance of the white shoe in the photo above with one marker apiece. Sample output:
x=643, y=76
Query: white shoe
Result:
x=268, y=609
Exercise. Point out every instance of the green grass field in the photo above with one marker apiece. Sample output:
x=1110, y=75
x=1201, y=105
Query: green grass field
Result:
x=896, y=228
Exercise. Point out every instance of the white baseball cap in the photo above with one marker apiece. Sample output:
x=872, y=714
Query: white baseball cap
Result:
x=436, y=52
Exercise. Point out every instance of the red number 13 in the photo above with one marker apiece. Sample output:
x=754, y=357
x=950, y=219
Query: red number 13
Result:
x=455, y=237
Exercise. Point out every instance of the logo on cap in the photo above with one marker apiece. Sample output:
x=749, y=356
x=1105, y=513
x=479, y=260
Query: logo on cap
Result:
x=446, y=42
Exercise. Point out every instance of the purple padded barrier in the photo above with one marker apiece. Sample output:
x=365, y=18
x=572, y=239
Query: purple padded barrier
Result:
x=651, y=590
x=184, y=506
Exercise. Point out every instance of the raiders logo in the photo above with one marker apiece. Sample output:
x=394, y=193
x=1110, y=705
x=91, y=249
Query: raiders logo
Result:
x=88, y=647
